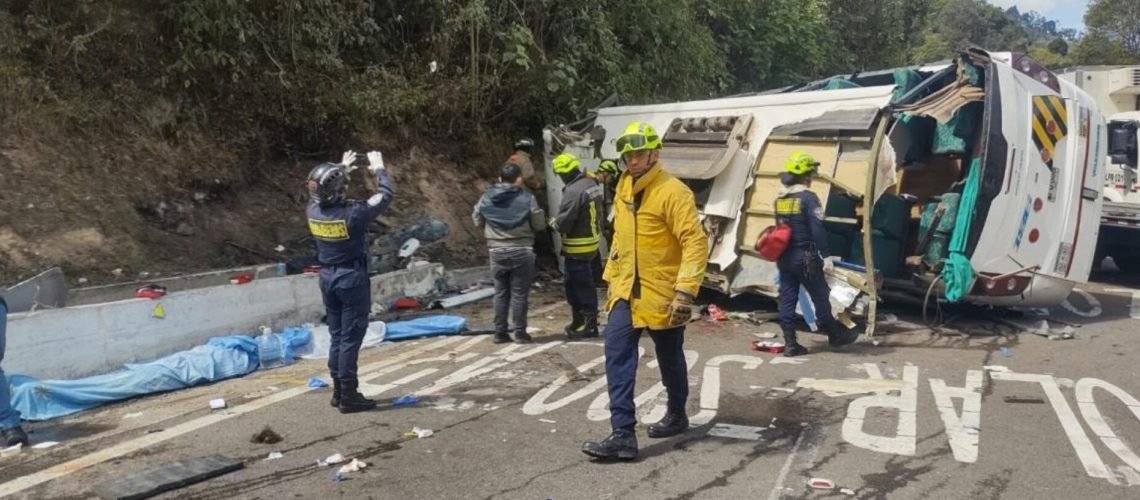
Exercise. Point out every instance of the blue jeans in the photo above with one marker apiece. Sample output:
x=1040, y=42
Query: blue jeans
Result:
x=621, y=340
x=9, y=417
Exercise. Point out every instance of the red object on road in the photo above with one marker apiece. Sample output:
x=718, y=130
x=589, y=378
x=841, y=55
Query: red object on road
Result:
x=241, y=279
x=312, y=270
x=150, y=292
x=767, y=346
x=405, y=303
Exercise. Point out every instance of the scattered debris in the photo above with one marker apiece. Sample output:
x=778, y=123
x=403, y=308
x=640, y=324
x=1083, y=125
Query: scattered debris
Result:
x=406, y=399
x=279, y=248
x=353, y=466
x=1005, y=352
x=418, y=433
x=405, y=303
x=408, y=248
x=153, y=431
x=765, y=335
x=241, y=279
x=844, y=318
x=767, y=346
x=118, y=272
x=44, y=445
x=733, y=431
x=166, y=477
x=150, y=292
x=547, y=421
x=464, y=298
x=136, y=414
x=847, y=491
x=217, y=404
x=820, y=483
x=81, y=281
x=333, y=459
x=886, y=318
x=158, y=311
x=876, y=342
x=274, y=455
x=317, y=383
x=12, y=450
x=433, y=66
x=266, y=436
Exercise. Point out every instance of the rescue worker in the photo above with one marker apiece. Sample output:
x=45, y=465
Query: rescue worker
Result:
x=806, y=258
x=524, y=148
x=579, y=221
x=339, y=225
x=607, y=176
x=509, y=217
x=11, y=434
x=655, y=269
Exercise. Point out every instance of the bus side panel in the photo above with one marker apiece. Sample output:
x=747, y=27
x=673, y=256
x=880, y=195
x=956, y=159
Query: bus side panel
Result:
x=1090, y=158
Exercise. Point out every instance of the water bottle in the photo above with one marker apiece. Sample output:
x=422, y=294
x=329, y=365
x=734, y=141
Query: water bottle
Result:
x=281, y=269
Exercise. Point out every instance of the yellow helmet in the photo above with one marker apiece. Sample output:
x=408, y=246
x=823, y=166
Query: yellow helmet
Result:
x=638, y=136
x=801, y=163
x=565, y=163
x=609, y=166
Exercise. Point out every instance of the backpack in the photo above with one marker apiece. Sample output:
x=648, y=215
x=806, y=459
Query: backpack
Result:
x=773, y=241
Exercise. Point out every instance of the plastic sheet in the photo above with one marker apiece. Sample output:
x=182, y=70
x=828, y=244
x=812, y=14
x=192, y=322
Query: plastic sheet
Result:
x=430, y=326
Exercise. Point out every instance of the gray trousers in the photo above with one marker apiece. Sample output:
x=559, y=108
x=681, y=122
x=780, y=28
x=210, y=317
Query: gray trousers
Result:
x=513, y=271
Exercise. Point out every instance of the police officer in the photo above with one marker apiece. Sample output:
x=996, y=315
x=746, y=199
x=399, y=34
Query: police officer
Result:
x=339, y=226
x=579, y=221
x=806, y=258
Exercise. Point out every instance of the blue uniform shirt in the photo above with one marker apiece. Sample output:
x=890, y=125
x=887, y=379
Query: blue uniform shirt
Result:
x=801, y=210
x=340, y=229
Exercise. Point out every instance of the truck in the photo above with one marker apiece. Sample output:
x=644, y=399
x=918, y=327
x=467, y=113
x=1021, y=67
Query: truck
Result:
x=1116, y=90
x=976, y=179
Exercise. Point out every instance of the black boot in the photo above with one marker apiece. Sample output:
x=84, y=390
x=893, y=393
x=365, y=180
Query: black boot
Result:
x=839, y=335
x=521, y=337
x=621, y=445
x=352, y=401
x=501, y=338
x=575, y=322
x=589, y=328
x=335, y=401
x=13, y=436
x=791, y=347
x=671, y=425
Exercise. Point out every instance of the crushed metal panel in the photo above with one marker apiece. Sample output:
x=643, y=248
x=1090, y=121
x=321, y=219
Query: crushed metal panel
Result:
x=834, y=120
x=701, y=148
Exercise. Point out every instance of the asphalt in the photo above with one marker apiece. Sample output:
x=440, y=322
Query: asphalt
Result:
x=502, y=431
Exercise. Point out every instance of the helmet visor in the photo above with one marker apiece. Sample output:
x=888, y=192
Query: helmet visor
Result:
x=634, y=142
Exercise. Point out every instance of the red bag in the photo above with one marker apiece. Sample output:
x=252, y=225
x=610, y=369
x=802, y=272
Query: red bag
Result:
x=773, y=241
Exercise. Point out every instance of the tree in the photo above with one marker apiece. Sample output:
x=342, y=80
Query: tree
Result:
x=1059, y=46
x=871, y=34
x=1116, y=20
x=1098, y=48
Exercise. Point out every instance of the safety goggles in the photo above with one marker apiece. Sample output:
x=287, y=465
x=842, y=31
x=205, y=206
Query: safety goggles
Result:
x=633, y=142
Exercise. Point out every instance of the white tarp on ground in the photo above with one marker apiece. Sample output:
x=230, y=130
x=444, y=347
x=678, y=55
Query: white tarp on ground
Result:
x=318, y=347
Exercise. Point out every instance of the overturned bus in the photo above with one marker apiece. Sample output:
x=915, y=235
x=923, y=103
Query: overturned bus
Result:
x=975, y=180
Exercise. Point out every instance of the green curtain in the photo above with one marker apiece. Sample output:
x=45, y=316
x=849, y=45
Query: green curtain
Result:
x=958, y=273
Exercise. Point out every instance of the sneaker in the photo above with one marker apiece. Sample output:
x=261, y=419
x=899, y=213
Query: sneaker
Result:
x=353, y=401
x=671, y=425
x=620, y=445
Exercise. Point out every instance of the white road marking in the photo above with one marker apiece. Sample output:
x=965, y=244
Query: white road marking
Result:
x=537, y=404
x=370, y=390
x=658, y=411
x=1096, y=421
x=963, y=432
x=778, y=488
x=1093, y=465
x=503, y=358
x=904, y=441
x=732, y=431
x=710, y=386
x=133, y=445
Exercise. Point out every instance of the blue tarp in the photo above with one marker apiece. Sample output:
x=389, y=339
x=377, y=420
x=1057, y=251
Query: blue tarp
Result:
x=220, y=358
x=430, y=326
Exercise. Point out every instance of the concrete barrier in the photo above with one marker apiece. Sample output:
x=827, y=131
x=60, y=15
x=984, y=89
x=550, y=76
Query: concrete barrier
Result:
x=73, y=342
x=124, y=291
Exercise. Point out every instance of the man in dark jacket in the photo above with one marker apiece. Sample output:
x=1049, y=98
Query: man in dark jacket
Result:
x=579, y=221
x=339, y=227
x=806, y=258
x=11, y=434
x=509, y=217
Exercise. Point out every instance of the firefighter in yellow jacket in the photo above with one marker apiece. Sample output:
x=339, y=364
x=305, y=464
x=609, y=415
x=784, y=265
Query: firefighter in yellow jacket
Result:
x=655, y=269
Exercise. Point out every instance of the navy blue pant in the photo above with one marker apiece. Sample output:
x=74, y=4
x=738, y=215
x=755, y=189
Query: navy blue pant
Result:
x=347, y=294
x=581, y=292
x=621, y=365
x=793, y=273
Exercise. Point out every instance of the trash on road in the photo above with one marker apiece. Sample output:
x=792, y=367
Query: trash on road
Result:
x=733, y=431
x=12, y=450
x=150, y=292
x=847, y=491
x=767, y=346
x=547, y=421
x=241, y=279
x=406, y=399
x=333, y=459
x=353, y=466
x=406, y=304
x=418, y=433
x=820, y=483
x=317, y=383
x=136, y=414
x=765, y=335
x=1005, y=352
x=44, y=445
x=274, y=455
x=266, y=436
x=217, y=404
